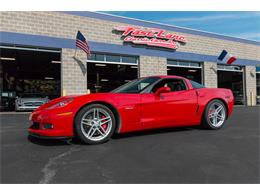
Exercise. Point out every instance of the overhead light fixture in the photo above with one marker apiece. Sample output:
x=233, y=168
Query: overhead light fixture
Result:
x=104, y=80
x=127, y=80
x=100, y=65
x=55, y=62
x=48, y=78
x=192, y=70
x=134, y=67
x=11, y=59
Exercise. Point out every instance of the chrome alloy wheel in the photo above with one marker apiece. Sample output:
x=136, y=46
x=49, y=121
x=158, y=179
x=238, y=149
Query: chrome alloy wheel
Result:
x=96, y=124
x=216, y=114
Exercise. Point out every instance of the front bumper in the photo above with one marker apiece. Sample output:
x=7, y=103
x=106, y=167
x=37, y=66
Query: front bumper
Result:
x=51, y=124
x=24, y=108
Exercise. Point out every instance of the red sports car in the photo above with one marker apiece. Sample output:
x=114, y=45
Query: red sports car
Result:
x=145, y=103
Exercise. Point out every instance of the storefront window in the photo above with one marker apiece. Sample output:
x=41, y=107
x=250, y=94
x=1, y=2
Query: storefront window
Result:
x=225, y=67
x=183, y=63
x=99, y=57
x=113, y=58
x=172, y=62
x=129, y=59
x=195, y=64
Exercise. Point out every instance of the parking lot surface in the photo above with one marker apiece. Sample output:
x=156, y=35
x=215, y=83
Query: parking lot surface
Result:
x=179, y=155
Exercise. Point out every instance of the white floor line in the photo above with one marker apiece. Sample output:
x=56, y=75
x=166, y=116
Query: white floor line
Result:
x=49, y=171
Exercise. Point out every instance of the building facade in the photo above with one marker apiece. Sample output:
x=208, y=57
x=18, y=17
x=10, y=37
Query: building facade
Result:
x=38, y=54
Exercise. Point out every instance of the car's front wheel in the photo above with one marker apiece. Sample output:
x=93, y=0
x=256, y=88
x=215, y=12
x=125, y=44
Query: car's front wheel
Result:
x=215, y=115
x=95, y=124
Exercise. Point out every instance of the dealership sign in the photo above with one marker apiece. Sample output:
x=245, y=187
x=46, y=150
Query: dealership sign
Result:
x=151, y=37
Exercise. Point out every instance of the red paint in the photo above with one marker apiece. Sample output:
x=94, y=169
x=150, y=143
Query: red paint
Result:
x=136, y=111
x=151, y=37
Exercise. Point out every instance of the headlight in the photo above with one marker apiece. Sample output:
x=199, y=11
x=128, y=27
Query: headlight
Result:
x=61, y=103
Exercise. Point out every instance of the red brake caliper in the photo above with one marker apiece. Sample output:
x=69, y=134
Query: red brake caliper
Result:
x=210, y=112
x=104, y=125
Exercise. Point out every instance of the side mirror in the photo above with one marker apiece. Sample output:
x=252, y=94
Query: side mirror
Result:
x=162, y=90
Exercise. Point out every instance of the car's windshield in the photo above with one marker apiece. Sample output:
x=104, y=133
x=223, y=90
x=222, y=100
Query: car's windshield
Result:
x=136, y=86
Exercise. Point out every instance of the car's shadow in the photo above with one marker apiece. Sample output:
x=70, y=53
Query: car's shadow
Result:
x=52, y=142
x=76, y=141
x=148, y=132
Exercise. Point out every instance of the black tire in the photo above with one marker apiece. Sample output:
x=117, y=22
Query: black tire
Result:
x=77, y=124
x=205, y=121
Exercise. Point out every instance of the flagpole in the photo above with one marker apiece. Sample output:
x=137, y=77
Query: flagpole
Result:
x=75, y=52
x=76, y=45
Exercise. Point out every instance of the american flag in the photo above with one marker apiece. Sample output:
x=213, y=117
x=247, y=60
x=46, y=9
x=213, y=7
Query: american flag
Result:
x=82, y=43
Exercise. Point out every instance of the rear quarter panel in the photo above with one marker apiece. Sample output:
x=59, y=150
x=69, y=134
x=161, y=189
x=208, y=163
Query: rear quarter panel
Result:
x=205, y=95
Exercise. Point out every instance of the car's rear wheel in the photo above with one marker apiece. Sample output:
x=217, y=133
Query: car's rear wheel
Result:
x=215, y=114
x=95, y=124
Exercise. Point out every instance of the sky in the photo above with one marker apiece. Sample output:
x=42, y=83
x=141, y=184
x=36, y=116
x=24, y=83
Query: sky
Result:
x=237, y=24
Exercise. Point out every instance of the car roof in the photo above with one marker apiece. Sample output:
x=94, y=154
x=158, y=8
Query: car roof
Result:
x=167, y=76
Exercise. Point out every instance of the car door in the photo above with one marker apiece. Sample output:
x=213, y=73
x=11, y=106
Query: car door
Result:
x=174, y=108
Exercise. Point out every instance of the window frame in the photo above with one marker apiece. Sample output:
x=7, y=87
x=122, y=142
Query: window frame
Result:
x=222, y=67
x=114, y=62
x=184, y=66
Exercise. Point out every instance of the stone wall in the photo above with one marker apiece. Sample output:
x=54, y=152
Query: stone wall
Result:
x=250, y=82
x=58, y=24
x=152, y=66
x=210, y=74
x=73, y=72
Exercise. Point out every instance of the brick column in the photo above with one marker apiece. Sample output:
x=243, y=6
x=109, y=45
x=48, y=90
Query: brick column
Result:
x=73, y=72
x=250, y=83
x=210, y=74
x=152, y=66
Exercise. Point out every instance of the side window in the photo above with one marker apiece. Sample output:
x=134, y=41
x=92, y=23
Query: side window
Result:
x=176, y=85
x=196, y=85
x=173, y=84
